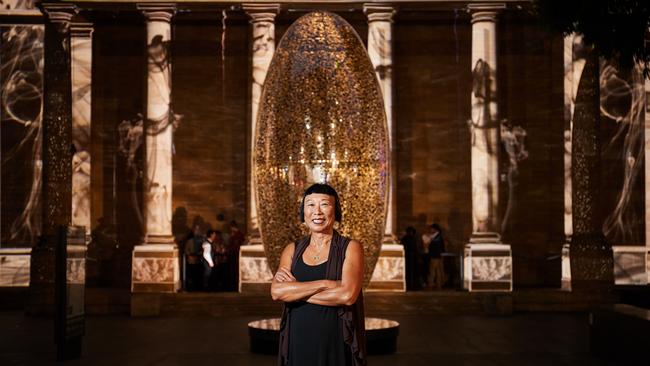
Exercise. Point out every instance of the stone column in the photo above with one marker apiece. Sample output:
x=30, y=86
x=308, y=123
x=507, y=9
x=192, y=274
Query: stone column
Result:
x=574, y=62
x=155, y=263
x=57, y=156
x=380, y=50
x=647, y=166
x=484, y=124
x=591, y=254
x=646, y=111
x=81, y=67
x=488, y=262
x=262, y=20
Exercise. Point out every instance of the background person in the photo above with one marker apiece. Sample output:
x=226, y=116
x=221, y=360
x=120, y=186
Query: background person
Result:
x=234, y=243
x=410, y=243
x=435, y=249
x=207, y=259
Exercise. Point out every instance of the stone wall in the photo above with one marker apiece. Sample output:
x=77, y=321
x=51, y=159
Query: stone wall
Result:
x=118, y=83
x=432, y=105
x=531, y=97
x=210, y=157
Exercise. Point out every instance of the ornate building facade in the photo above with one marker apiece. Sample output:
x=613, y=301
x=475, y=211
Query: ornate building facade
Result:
x=136, y=119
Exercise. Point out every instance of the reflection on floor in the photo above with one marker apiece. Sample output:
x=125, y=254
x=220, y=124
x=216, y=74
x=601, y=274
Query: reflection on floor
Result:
x=520, y=339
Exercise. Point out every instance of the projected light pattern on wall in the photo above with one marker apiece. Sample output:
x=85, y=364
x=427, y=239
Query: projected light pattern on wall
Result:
x=22, y=95
x=513, y=140
x=622, y=99
x=130, y=140
x=484, y=141
x=81, y=68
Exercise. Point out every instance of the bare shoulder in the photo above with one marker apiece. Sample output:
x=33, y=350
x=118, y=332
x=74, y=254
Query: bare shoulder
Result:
x=354, y=259
x=354, y=248
x=290, y=247
x=355, y=245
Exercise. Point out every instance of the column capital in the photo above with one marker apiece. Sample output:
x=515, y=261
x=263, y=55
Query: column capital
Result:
x=377, y=12
x=485, y=12
x=60, y=14
x=81, y=30
x=261, y=12
x=161, y=12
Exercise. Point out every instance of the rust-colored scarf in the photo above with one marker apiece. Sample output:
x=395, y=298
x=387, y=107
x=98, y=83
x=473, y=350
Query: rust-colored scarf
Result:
x=351, y=317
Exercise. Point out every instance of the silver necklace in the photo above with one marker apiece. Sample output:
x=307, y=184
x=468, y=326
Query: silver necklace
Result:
x=316, y=256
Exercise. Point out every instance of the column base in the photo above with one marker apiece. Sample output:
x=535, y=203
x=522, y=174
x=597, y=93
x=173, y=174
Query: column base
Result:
x=254, y=273
x=155, y=268
x=487, y=266
x=254, y=239
x=390, y=239
x=159, y=239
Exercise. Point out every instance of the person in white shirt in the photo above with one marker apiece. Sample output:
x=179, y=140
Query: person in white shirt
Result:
x=206, y=258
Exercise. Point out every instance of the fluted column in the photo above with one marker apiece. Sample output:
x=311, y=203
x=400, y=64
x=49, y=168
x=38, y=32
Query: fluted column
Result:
x=158, y=144
x=155, y=266
x=81, y=67
x=484, y=124
x=647, y=169
x=646, y=133
x=57, y=157
x=380, y=50
x=487, y=261
x=262, y=20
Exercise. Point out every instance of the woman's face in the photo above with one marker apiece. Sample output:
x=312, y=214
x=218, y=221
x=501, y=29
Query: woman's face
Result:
x=319, y=212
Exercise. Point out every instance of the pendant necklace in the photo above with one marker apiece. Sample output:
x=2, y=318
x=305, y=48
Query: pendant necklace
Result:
x=316, y=257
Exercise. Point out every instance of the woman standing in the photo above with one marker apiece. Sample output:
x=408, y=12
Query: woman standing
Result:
x=319, y=280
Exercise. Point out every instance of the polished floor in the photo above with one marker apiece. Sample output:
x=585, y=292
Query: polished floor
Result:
x=521, y=339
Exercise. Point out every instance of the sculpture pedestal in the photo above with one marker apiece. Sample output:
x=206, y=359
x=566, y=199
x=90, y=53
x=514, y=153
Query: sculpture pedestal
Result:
x=389, y=273
x=14, y=267
x=381, y=336
x=155, y=268
x=487, y=267
x=631, y=265
x=255, y=275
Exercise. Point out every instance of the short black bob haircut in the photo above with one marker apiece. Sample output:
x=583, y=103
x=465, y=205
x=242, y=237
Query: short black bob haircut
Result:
x=323, y=189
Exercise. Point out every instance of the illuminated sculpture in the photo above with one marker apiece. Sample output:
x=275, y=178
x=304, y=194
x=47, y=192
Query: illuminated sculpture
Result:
x=321, y=119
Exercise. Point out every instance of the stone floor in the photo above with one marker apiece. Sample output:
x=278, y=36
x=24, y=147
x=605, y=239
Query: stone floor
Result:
x=521, y=339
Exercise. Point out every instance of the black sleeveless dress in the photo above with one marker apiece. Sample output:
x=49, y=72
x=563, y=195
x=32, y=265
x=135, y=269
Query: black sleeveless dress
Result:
x=316, y=334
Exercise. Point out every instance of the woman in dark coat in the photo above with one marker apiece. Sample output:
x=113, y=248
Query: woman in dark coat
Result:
x=319, y=280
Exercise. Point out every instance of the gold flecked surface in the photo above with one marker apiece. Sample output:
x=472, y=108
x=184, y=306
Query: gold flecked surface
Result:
x=591, y=259
x=321, y=119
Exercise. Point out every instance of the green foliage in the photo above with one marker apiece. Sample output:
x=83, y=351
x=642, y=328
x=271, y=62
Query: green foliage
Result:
x=617, y=28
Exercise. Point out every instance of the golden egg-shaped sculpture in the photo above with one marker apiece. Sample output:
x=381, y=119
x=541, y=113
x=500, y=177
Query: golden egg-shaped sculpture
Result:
x=321, y=120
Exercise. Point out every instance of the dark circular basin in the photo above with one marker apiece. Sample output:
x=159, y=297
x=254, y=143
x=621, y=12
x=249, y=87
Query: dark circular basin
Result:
x=381, y=336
